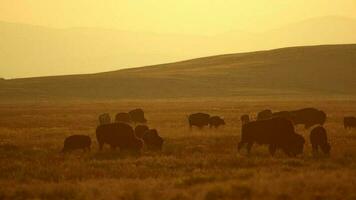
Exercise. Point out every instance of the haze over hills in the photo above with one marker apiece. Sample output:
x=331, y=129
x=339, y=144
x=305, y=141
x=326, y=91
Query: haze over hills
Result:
x=27, y=50
x=311, y=70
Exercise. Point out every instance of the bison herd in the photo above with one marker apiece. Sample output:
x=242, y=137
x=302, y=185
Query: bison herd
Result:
x=274, y=129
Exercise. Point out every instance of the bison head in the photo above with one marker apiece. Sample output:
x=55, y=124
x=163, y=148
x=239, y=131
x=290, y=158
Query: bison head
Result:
x=326, y=148
x=295, y=145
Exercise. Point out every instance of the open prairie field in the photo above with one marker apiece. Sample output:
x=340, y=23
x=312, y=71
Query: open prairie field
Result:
x=194, y=164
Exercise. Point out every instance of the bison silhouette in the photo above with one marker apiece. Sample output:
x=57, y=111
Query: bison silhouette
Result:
x=216, y=121
x=137, y=116
x=104, y=118
x=318, y=138
x=123, y=117
x=349, y=122
x=140, y=130
x=199, y=120
x=245, y=119
x=152, y=140
x=277, y=133
x=75, y=142
x=118, y=135
x=264, y=114
x=306, y=116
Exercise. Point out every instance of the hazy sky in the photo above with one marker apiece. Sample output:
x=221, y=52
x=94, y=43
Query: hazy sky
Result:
x=172, y=16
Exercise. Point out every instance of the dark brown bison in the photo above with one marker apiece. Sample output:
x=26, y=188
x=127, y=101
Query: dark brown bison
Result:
x=216, y=121
x=199, y=120
x=152, y=140
x=306, y=116
x=264, y=114
x=118, y=135
x=245, y=119
x=283, y=114
x=123, y=117
x=318, y=138
x=278, y=133
x=104, y=119
x=75, y=142
x=349, y=122
x=137, y=116
x=140, y=130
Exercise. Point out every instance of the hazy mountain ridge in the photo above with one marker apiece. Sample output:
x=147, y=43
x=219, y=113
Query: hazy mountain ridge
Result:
x=313, y=70
x=38, y=51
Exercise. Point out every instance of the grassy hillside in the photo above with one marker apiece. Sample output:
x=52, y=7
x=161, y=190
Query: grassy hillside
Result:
x=315, y=70
x=28, y=50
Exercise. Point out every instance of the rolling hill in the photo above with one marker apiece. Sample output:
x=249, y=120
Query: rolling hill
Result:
x=310, y=70
x=28, y=50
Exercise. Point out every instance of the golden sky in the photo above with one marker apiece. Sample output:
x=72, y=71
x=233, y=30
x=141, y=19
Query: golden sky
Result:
x=172, y=16
x=158, y=31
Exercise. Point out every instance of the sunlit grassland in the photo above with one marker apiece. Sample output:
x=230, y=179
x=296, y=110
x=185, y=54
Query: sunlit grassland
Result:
x=194, y=164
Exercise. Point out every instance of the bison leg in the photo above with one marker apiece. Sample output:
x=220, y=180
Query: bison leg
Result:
x=240, y=145
x=101, y=146
x=315, y=148
x=272, y=149
x=249, y=146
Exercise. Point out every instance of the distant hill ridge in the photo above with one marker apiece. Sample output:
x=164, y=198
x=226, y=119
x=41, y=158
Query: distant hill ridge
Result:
x=28, y=50
x=311, y=70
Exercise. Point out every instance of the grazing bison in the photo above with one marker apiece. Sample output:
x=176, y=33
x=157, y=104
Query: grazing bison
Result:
x=318, y=138
x=118, y=135
x=245, y=119
x=75, y=142
x=216, y=121
x=152, y=140
x=283, y=114
x=140, y=130
x=264, y=114
x=137, y=116
x=104, y=119
x=123, y=117
x=278, y=133
x=349, y=122
x=306, y=116
x=199, y=120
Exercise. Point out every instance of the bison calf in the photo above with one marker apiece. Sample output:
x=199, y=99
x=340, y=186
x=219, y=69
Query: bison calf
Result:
x=318, y=138
x=75, y=142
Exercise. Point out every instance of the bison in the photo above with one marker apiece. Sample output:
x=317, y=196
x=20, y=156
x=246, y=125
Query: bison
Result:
x=318, y=138
x=306, y=116
x=75, y=142
x=199, y=120
x=104, y=119
x=152, y=140
x=216, y=121
x=278, y=133
x=264, y=114
x=349, y=122
x=119, y=135
x=140, y=130
x=245, y=119
x=123, y=117
x=137, y=116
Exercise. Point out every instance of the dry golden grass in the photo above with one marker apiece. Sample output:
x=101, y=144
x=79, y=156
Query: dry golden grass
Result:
x=193, y=165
